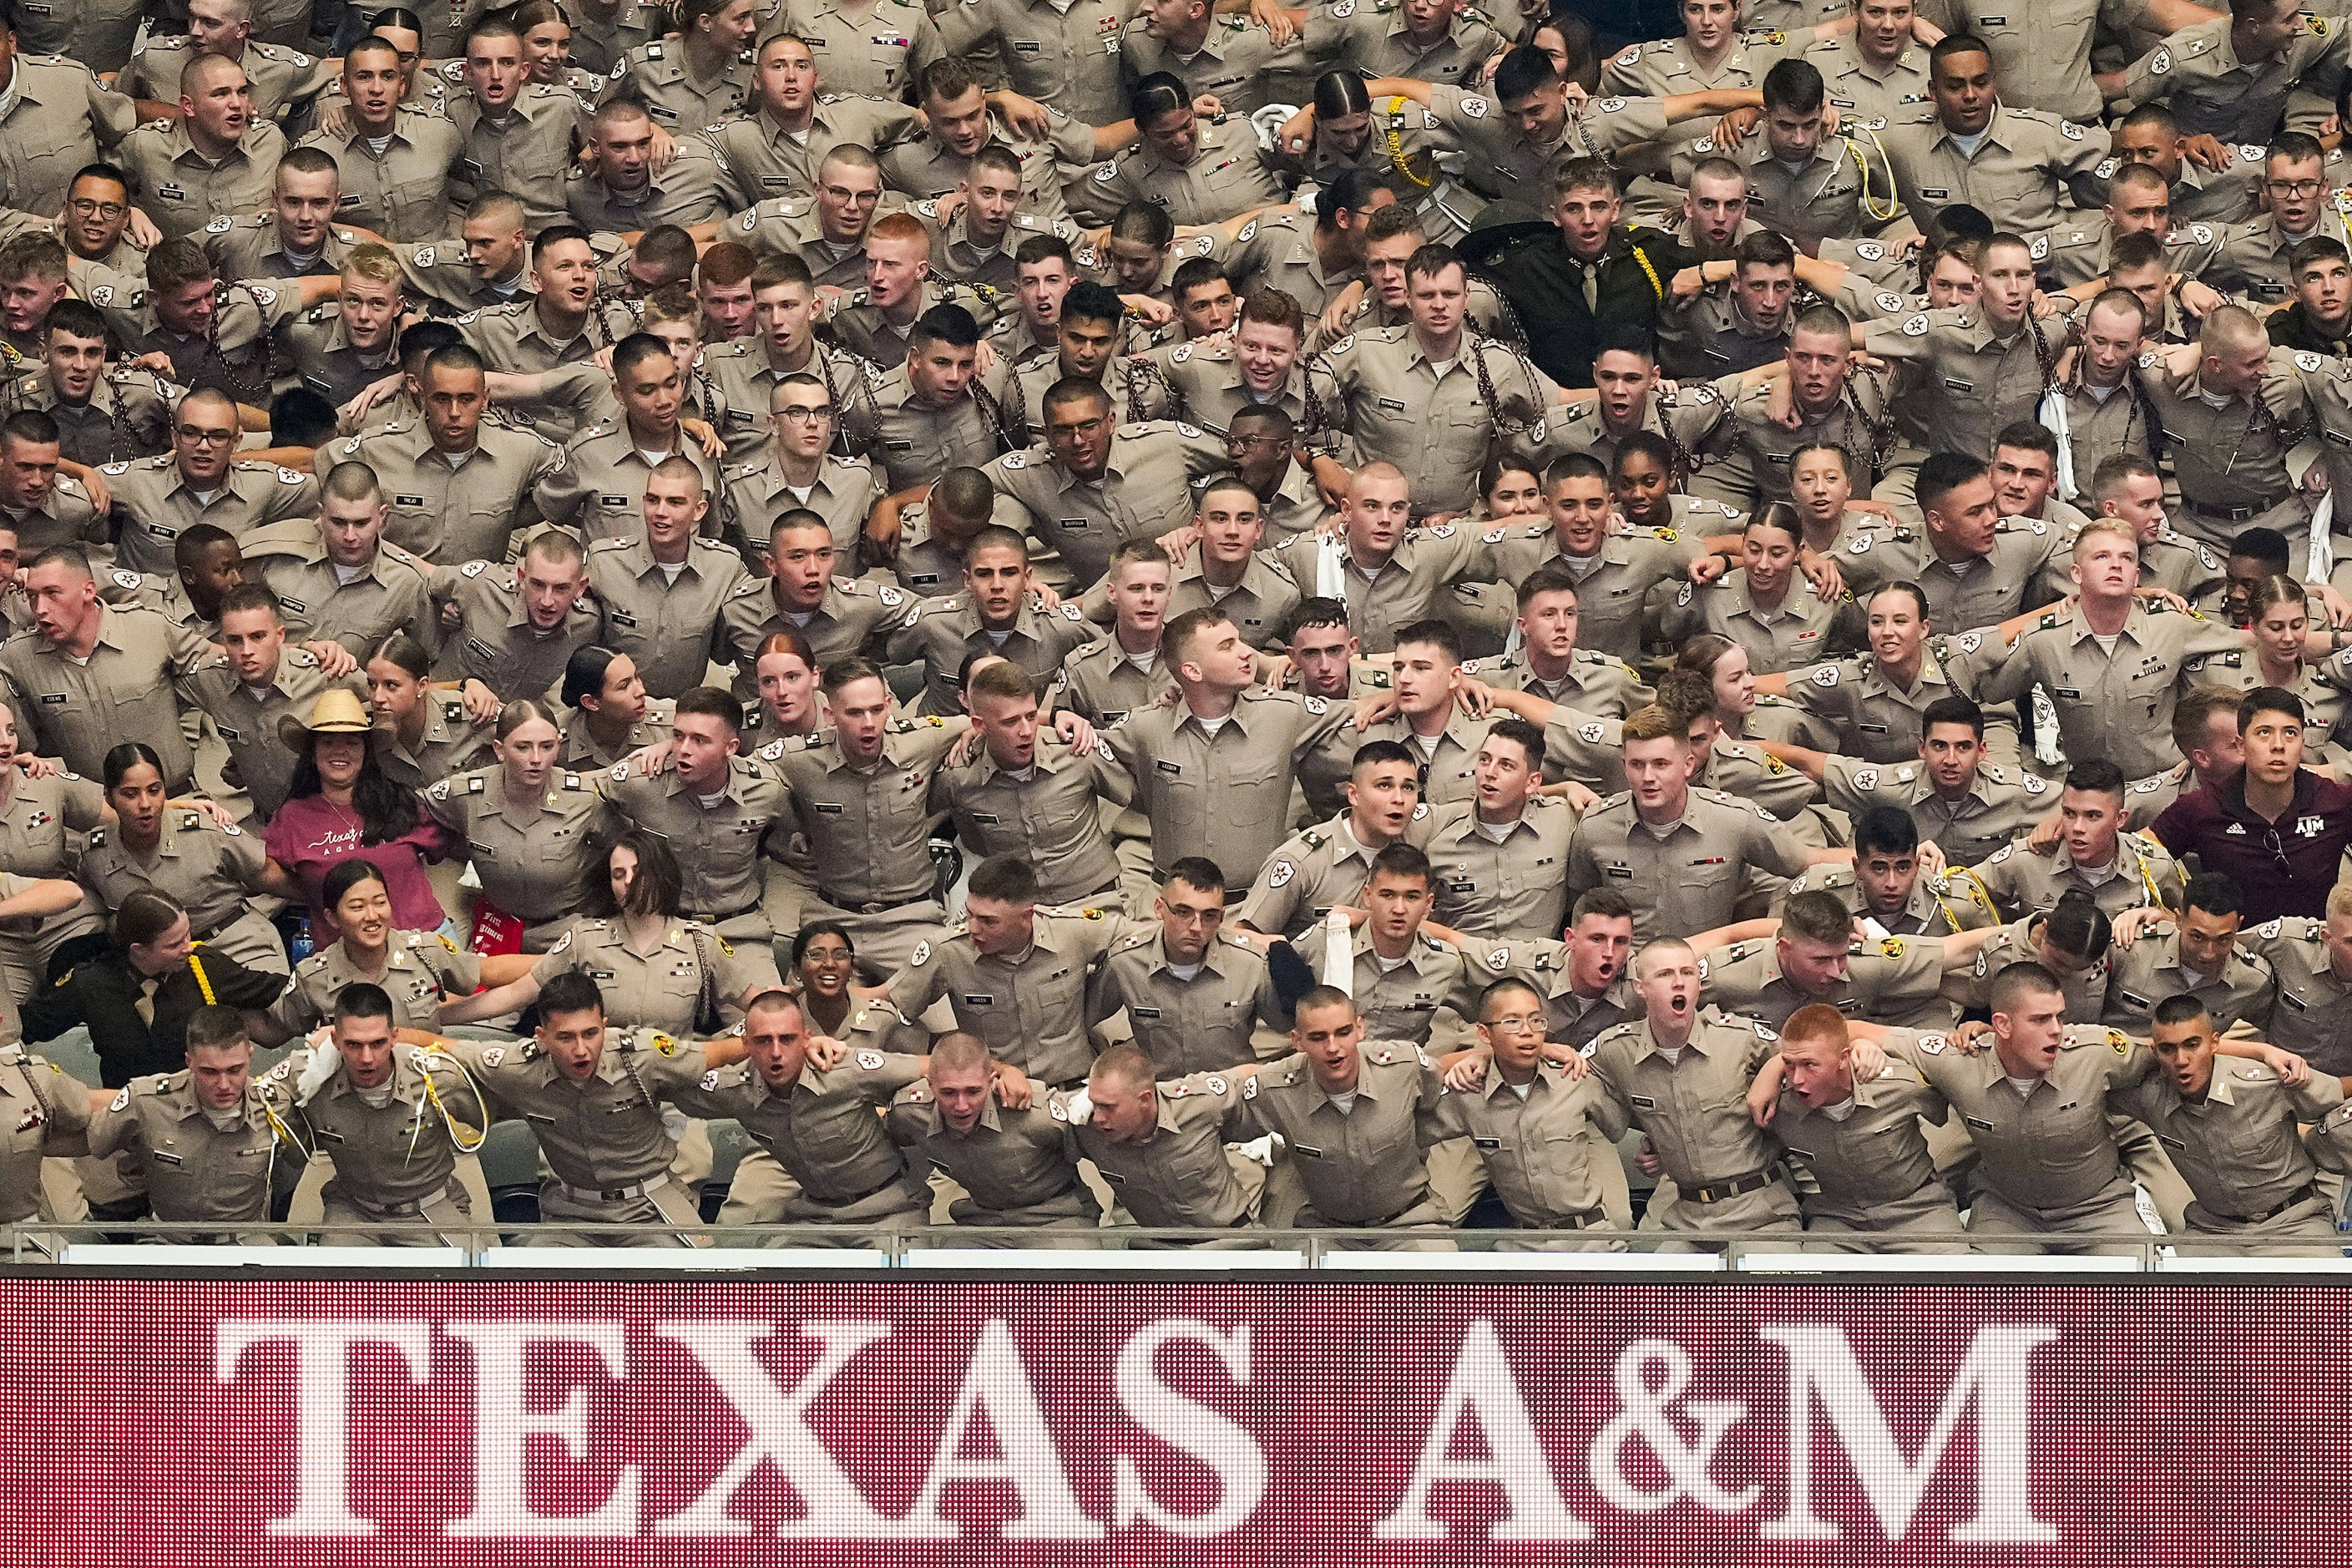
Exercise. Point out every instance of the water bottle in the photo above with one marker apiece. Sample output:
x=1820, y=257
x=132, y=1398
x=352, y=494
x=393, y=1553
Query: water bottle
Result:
x=301, y=946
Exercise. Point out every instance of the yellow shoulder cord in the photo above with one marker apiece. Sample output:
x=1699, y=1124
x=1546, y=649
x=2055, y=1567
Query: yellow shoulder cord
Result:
x=1650, y=272
x=432, y=1097
x=204, y=984
x=1982, y=892
x=1893, y=204
x=1395, y=138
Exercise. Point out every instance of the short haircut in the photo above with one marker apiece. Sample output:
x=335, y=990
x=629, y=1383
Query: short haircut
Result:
x=1523, y=73
x=950, y=324
x=1197, y=272
x=1197, y=872
x=1312, y=611
x=1763, y=248
x=965, y=493
x=2267, y=545
x=557, y=548
x=2116, y=471
x=1506, y=987
x=1884, y=829
x=31, y=427
x=252, y=596
x=1586, y=174
x=1438, y=634
x=1007, y=879
x=2216, y=893
x=1003, y=679
x=2019, y=981
x=1943, y=473
x=1654, y=722
x=2269, y=700
x=1794, y=85
x=75, y=318
x=712, y=703
x=2142, y=178
x=1552, y=577
x=1574, y=466
x=1122, y=1065
x=2097, y=775
x=2183, y=1008
x=996, y=536
x=2192, y=715
x=2029, y=435
x=1817, y=917
x=1073, y=389
x=362, y=1000
x=569, y=992
x=2318, y=248
x=176, y=263
x=1520, y=733
x=1316, y=998
x=1953, y=709
x=1815, y=1022
x=215, y=1028
x=1606, y=903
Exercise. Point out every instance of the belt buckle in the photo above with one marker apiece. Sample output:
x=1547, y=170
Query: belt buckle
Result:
x=617, y=1195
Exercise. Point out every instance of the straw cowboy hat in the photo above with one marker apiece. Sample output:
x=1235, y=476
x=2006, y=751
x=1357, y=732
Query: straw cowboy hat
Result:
x=336, y=712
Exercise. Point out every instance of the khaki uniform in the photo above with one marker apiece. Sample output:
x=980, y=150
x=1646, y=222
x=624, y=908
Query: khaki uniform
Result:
x=524, y=157
x=1694, y=1110
x=657, y=75
x=1229, y=175
x=1503, y=164
x=2238, y=1151
x=1938, y=907
x=850, y=617
x=41, y=824
x=2117, y=705
x=1963, y=384
x=1258, y=605
x=401, y=193
x=1200, y=382
x=1199, y=1025
x=514, y=337
x=1594, y=682
x=1277, y=251
x=1142, y=492
x=2197, y=74
x=1316, y=871
x=718, y=848
x=1871, y=1169
x=663, y=989
x=1964, y=596
x=938, y=634
x=869, y=836
x=861, y=328
x=2041, y=54
x=1051, y=818
x=392, y=593
x=195, y=1170
x=824, y=1132
x=2000, y=805
x=451, y=743
x=497, y=644
x=57, y=118
x=1868, y=94
x=2314, y=1006
x=2144, y=875
x=1226, y=794
x=158, y=505
x=78, y=711
x=923, y=169
x=2086, y=988
x=1404, y=1003
x=2149, y=970
x=1611, y=584
x=1030, y=1008
x=746, y=377
x=1664, y=67
x=1893, y=980
x=438, y=281
x=396, y=1161
x=758, y=160
x=2171, y=561
x=791, y=225
x=915, y=442
x=531, y=868
x=1411, y=585
x=247, y=719
x=667, y=625
x=1689, y=880
x=322, y=357
x=1872, y=719
x=1016, y=1167
x=1790, y=634
x=1235, y=64
x=253, y=248
x=238, y=356
x=205, y=868
x=128, y=415
x=2231, y=460
x=1542, y=1150
x=682, y=194
x=1066, y=57
x=2046, y=1159
x=599, y=489
x=2025, y=161
x=182, y=189
x=1382, y=390
x=602, y=1138
x=48, y=1116
x=843, y=493
x=1102, y=681
x=63, y=517
x=1180, y=1174
x=1510, y=889
x=422, y=970
x=582, y=753
x=1364, y=1166
x=1570, y=1018
x=2253, y=259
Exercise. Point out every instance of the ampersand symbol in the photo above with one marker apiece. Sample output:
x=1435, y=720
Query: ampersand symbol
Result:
x=1644, y=1413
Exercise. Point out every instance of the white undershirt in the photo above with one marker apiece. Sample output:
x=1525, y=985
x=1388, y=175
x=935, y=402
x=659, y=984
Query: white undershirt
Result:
x=1213, y=725
x=1495, y=832
x=375, y=1098
x=2108, y=642
x=1968, y=144
x=347, y=576
x=1345, y=1102
x=2022, y=1085
x=1840, y=1111
x=1187, y=973
x=1674, y=1055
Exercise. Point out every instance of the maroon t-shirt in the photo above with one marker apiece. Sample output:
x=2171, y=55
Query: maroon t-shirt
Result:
x=2282, y=868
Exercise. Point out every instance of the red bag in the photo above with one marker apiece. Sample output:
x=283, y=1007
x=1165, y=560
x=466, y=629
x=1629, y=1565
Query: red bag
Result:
x=496, y=932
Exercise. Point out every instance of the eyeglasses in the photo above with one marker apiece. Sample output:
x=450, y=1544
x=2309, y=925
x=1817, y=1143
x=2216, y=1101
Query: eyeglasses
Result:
x=1252, y=443
x=84, y=207
x=1518, y=1024
x=1083, y=428
x=206, y=438
x=800, y=415
x=2296, y=187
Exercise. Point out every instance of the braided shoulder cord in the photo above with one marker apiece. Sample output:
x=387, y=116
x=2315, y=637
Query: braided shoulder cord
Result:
x=246, y=387
x=1686, y=461
x=1880, y=430
x=1141, y=373
x=2045, y=359
x=1008, y=433
x=821, y=362
x=1319, y=418
x=1478, y=344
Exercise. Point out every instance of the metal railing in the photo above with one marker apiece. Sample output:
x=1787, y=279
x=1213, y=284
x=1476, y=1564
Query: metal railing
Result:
x=185, y=1247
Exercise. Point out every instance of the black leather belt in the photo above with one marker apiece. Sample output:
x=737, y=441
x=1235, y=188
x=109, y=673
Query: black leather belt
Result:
x=1584, y=1221
x=703, y=918
x=856, y=907
x=893, y=1180
x=2226, y=514
x=2309, y=1190
x=1719, y=1191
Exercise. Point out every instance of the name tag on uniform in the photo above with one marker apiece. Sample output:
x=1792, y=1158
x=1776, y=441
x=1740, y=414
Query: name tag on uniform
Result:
x=2072, y=693
x=990, y=817
x=1978, y=1123
x=1073, y=523
x=161, y=1158
x=1643, y=1101
x=622, y=618
x=1144, y=1012
x=2294, y=1000
x=1934, y=194
x=408, y=500
x=1302, y=1149
x=1393, y=405
x=1956, y=383
x=54, y=697
x=827, y=808
x=1624, y=871
x=1872, y=729
x=294, y=604
x=2171, y=1142
x=327, y=1135
x=1027, y=46
x=612, y=500
x=472, y=167
x=1487, y=1142
x=226, y=734
x=978, y=1001
x=535, y=1116
x=1165, y=767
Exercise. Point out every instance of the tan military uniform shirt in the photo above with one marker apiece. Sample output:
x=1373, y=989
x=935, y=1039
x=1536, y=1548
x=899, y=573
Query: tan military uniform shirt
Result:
x=852, y=614
x=391, y=592
x=531, y=866
x=757, y=159
x=155, y=499
x=450, y=743
x=1362, y=1165
x=182, y=189
x=1437, y=429
x=2237, y=1148
x=667, y=624
x=940, y=633
x=602, y=1138
x=1404, y=1000
x=391, y=1160
x=57, y=118
x=1871, y=1169
x=2197, y=74
x=1316, y=871
x=915, y=442
x=1229, y=175
x=868, y=831
x=2150, y=970
x=78, y=711
x=1142, y=492
x=252, y=247
x=1197, y=1024
x=247, y=719
x=197, y=1171
x=1017, y=1167
x=1222, y=793
x=1893, y=980
x=47, y=1114
x=127, y=416
x=1029, y=1007
x=2026, y=159
x=1178, y=1175
x=1509, y=888
x=718, y=846
x=2315, y=1008
x=923, y=169
x=1689, y=880
x=1050, y=818
x=422, y=970
x=2113, y=705
x=497, y=643
x=1258, y=605
x=1693, y=1110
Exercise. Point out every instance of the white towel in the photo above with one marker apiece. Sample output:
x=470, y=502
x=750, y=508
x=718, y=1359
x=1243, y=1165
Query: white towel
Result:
x=2053, y=419
x=2323, y=547
x=2045, y=729
x=1331, y=575
x=1339, y=953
